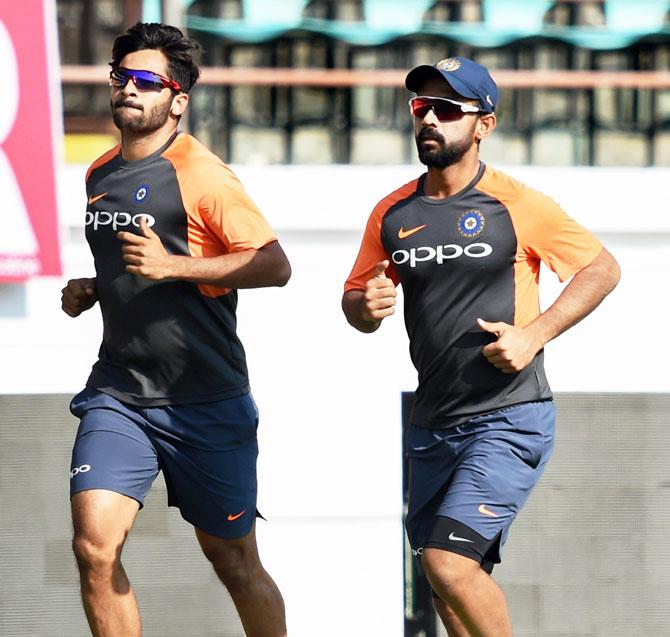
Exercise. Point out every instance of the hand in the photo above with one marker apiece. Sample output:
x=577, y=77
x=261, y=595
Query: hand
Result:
x=380, y=294
x=78, y=296
x=145, y=254
x=514, y=348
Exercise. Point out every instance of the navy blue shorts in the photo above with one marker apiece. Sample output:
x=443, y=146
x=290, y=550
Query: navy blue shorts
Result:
x=207, y=453
x=468, y=483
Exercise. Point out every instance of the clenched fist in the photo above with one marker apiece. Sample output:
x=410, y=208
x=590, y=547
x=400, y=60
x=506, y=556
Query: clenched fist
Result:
x=514, y=347
x=145, y=254
x=78, y=296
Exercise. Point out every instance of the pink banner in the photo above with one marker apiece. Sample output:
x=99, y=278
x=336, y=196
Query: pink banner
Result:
x=28, y=214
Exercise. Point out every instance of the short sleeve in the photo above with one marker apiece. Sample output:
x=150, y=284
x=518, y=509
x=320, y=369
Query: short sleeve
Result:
x=546, y=232
x=371, y=252
x=228, y=212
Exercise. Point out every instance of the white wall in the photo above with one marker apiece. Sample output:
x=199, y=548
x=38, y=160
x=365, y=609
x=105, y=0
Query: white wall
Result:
x=330, y=397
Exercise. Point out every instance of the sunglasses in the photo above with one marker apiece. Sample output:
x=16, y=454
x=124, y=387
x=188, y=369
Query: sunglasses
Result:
x=143, y=80
x=445, y=110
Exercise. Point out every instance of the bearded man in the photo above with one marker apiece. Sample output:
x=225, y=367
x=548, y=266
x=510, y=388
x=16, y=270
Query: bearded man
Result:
x=174, y=236
x=465, y=242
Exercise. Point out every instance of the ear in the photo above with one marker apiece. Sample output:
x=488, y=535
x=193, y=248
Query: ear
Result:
x=485, y=126
x=179, y=104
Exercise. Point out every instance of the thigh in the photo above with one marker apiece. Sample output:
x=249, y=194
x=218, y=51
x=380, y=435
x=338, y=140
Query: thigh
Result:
x=103, y=518
x=111, y=451
x=208, y=454
x=230, y=554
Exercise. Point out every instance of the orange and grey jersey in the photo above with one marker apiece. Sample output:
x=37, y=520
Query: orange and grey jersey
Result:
x=169, y=342
x=474, y=255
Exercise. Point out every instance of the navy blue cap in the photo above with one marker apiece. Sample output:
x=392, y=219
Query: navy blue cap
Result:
x=465, y=76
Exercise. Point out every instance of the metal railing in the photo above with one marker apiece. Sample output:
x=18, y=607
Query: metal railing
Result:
x=342, y=78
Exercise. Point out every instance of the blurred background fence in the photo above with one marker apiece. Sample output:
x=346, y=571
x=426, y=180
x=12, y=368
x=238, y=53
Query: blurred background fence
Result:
x=585, y=82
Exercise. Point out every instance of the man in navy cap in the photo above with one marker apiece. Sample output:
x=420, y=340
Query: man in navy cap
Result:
x=466, y=243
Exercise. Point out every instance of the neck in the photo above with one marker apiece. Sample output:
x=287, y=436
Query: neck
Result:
x=445, y=182
x=136, y=146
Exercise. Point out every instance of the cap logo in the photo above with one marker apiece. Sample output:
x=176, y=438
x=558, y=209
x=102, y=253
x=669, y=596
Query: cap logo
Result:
x=448, y=64
x=489, y=100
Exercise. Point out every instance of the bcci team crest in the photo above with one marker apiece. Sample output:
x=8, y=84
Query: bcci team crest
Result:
x=448, y=64
x=471, y=223
x=142, y=193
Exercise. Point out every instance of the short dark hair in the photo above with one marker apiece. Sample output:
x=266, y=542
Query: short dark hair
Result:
x=181, y=52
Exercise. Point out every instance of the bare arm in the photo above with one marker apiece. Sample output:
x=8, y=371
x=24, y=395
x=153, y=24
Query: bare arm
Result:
x=265, y=267
x=365, y=309
x=146, y=256
x=516, y=346
x=580, y=297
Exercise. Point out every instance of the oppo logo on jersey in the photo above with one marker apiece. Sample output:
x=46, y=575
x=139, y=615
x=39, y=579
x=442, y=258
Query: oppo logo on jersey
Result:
x=116, y=219
x=440, y=253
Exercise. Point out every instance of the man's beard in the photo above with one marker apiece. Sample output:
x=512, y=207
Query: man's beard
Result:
x=446, y=154
x=135, y=120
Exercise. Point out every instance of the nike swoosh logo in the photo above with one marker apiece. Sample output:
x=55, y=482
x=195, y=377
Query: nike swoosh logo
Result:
x=232, y=518
x=485, y=511
x=92, y=200
x=403, y=234
x=459, y=539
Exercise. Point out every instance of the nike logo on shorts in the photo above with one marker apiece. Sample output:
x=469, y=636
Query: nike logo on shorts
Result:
x=455, y=538
x=482, y=509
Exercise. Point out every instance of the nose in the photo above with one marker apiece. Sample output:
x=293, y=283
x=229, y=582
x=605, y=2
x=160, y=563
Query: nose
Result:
x=129, y=87
x=430, y=119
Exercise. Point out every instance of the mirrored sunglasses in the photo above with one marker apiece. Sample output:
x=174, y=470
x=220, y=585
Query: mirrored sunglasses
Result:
x=143, y=80
x=445, y=109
